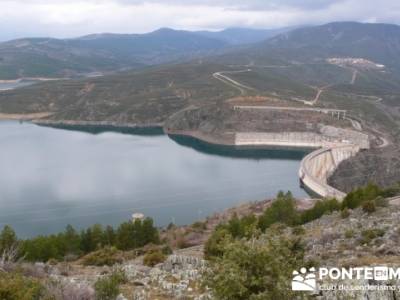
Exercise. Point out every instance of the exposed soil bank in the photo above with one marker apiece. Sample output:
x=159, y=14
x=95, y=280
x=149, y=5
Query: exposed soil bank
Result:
x=25, y=117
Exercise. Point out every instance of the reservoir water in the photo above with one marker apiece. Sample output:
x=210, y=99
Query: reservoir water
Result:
x=53, y=177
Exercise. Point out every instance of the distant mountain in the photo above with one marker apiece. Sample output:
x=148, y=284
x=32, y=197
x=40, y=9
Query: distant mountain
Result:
x=240, y=36
x=47, y=57
x=377, y=42
x=291, y=66
x=107, y=52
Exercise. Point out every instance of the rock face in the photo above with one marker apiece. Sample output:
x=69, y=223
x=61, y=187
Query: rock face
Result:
x=361, y=240
x=380, y=165
x=178, y=278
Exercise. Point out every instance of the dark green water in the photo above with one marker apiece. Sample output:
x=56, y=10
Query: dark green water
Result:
x=53, y=177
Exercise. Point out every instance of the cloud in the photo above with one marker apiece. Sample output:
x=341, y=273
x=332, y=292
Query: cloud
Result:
x=58, y=18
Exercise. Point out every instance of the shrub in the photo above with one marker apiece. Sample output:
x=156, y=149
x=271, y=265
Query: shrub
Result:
x=298, y=230
x=369, y=207
x=349, y=234
x=369, y=235
x=200, y=226
x=358, y=196
x=16, y=286
x=255, y=269
x=319, y=209
x=107, y=256
x=381, y=202
x=166, y=250
x=153, y=258
x=345, y=213
x=181, y=242
x=282, y=210
x=215, y=245
x=107, y=288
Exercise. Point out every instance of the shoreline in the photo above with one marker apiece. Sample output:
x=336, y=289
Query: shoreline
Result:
x=24, y=117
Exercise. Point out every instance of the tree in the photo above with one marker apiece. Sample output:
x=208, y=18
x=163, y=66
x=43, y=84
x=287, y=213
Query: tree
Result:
x=72, y=240
x=283, y=210
x=255, y=269
x=8, y=238
x=97, y=236
x=125, y=239
x=109, y=236
x=217, y=242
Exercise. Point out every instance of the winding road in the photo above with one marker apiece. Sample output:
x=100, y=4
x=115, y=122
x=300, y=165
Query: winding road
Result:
x=227, y=80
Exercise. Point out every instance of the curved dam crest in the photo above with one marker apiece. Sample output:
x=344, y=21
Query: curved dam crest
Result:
x=333, y=145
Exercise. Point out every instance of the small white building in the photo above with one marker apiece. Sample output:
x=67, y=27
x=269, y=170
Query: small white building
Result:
x=137, y=216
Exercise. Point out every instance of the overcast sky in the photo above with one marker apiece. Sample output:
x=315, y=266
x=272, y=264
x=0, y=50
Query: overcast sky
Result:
x=70, y=18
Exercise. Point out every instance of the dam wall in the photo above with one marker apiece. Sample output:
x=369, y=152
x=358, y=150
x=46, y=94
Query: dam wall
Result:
x=333, y=145
x=317, y=166
x=285, y=139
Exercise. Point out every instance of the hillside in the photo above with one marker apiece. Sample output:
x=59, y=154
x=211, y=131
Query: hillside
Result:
x=350, y=66
x=107, y=52
x=240, y=36
x=267, y=240
x=46, y=57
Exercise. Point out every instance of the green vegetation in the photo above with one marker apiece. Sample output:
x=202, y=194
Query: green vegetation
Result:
x=369, y=207
x=345, y=213
x=260, y=265
x=349, y=234
x=282, y=210
x=356, y=198
x=153, y=258
x=368, y=235
x=71, y=244
x=8, y=238
x=16, y=286
x=107, y=288
x=254, y=269
x=107, y=256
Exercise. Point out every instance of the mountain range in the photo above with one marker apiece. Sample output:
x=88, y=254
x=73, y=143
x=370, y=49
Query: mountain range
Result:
x=49, y=57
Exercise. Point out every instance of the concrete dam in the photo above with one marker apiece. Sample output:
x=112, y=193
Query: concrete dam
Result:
x=333, y=145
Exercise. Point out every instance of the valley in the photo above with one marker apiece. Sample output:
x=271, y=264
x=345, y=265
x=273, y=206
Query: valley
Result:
x=199, y=164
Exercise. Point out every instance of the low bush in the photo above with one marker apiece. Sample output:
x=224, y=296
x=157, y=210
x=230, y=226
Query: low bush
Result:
x=298, y=230
x=15, y=286
x=381, y=202
x=107, y=256
x=368, y=235
x=349, y=234
x=108, y=287
x=153, y=258
x=345, y=213
x=199, y=226
x=320, y=208
x=369, y=207
x=282, y=210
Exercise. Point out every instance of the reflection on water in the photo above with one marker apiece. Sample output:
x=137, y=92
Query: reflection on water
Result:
x=52, y=177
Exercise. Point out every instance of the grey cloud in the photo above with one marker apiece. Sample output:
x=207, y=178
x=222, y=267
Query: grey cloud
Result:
x=62, y=18
x=248, y=4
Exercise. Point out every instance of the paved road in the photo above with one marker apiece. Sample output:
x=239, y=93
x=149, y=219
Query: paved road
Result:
x=316, y=109
x=227, y=80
